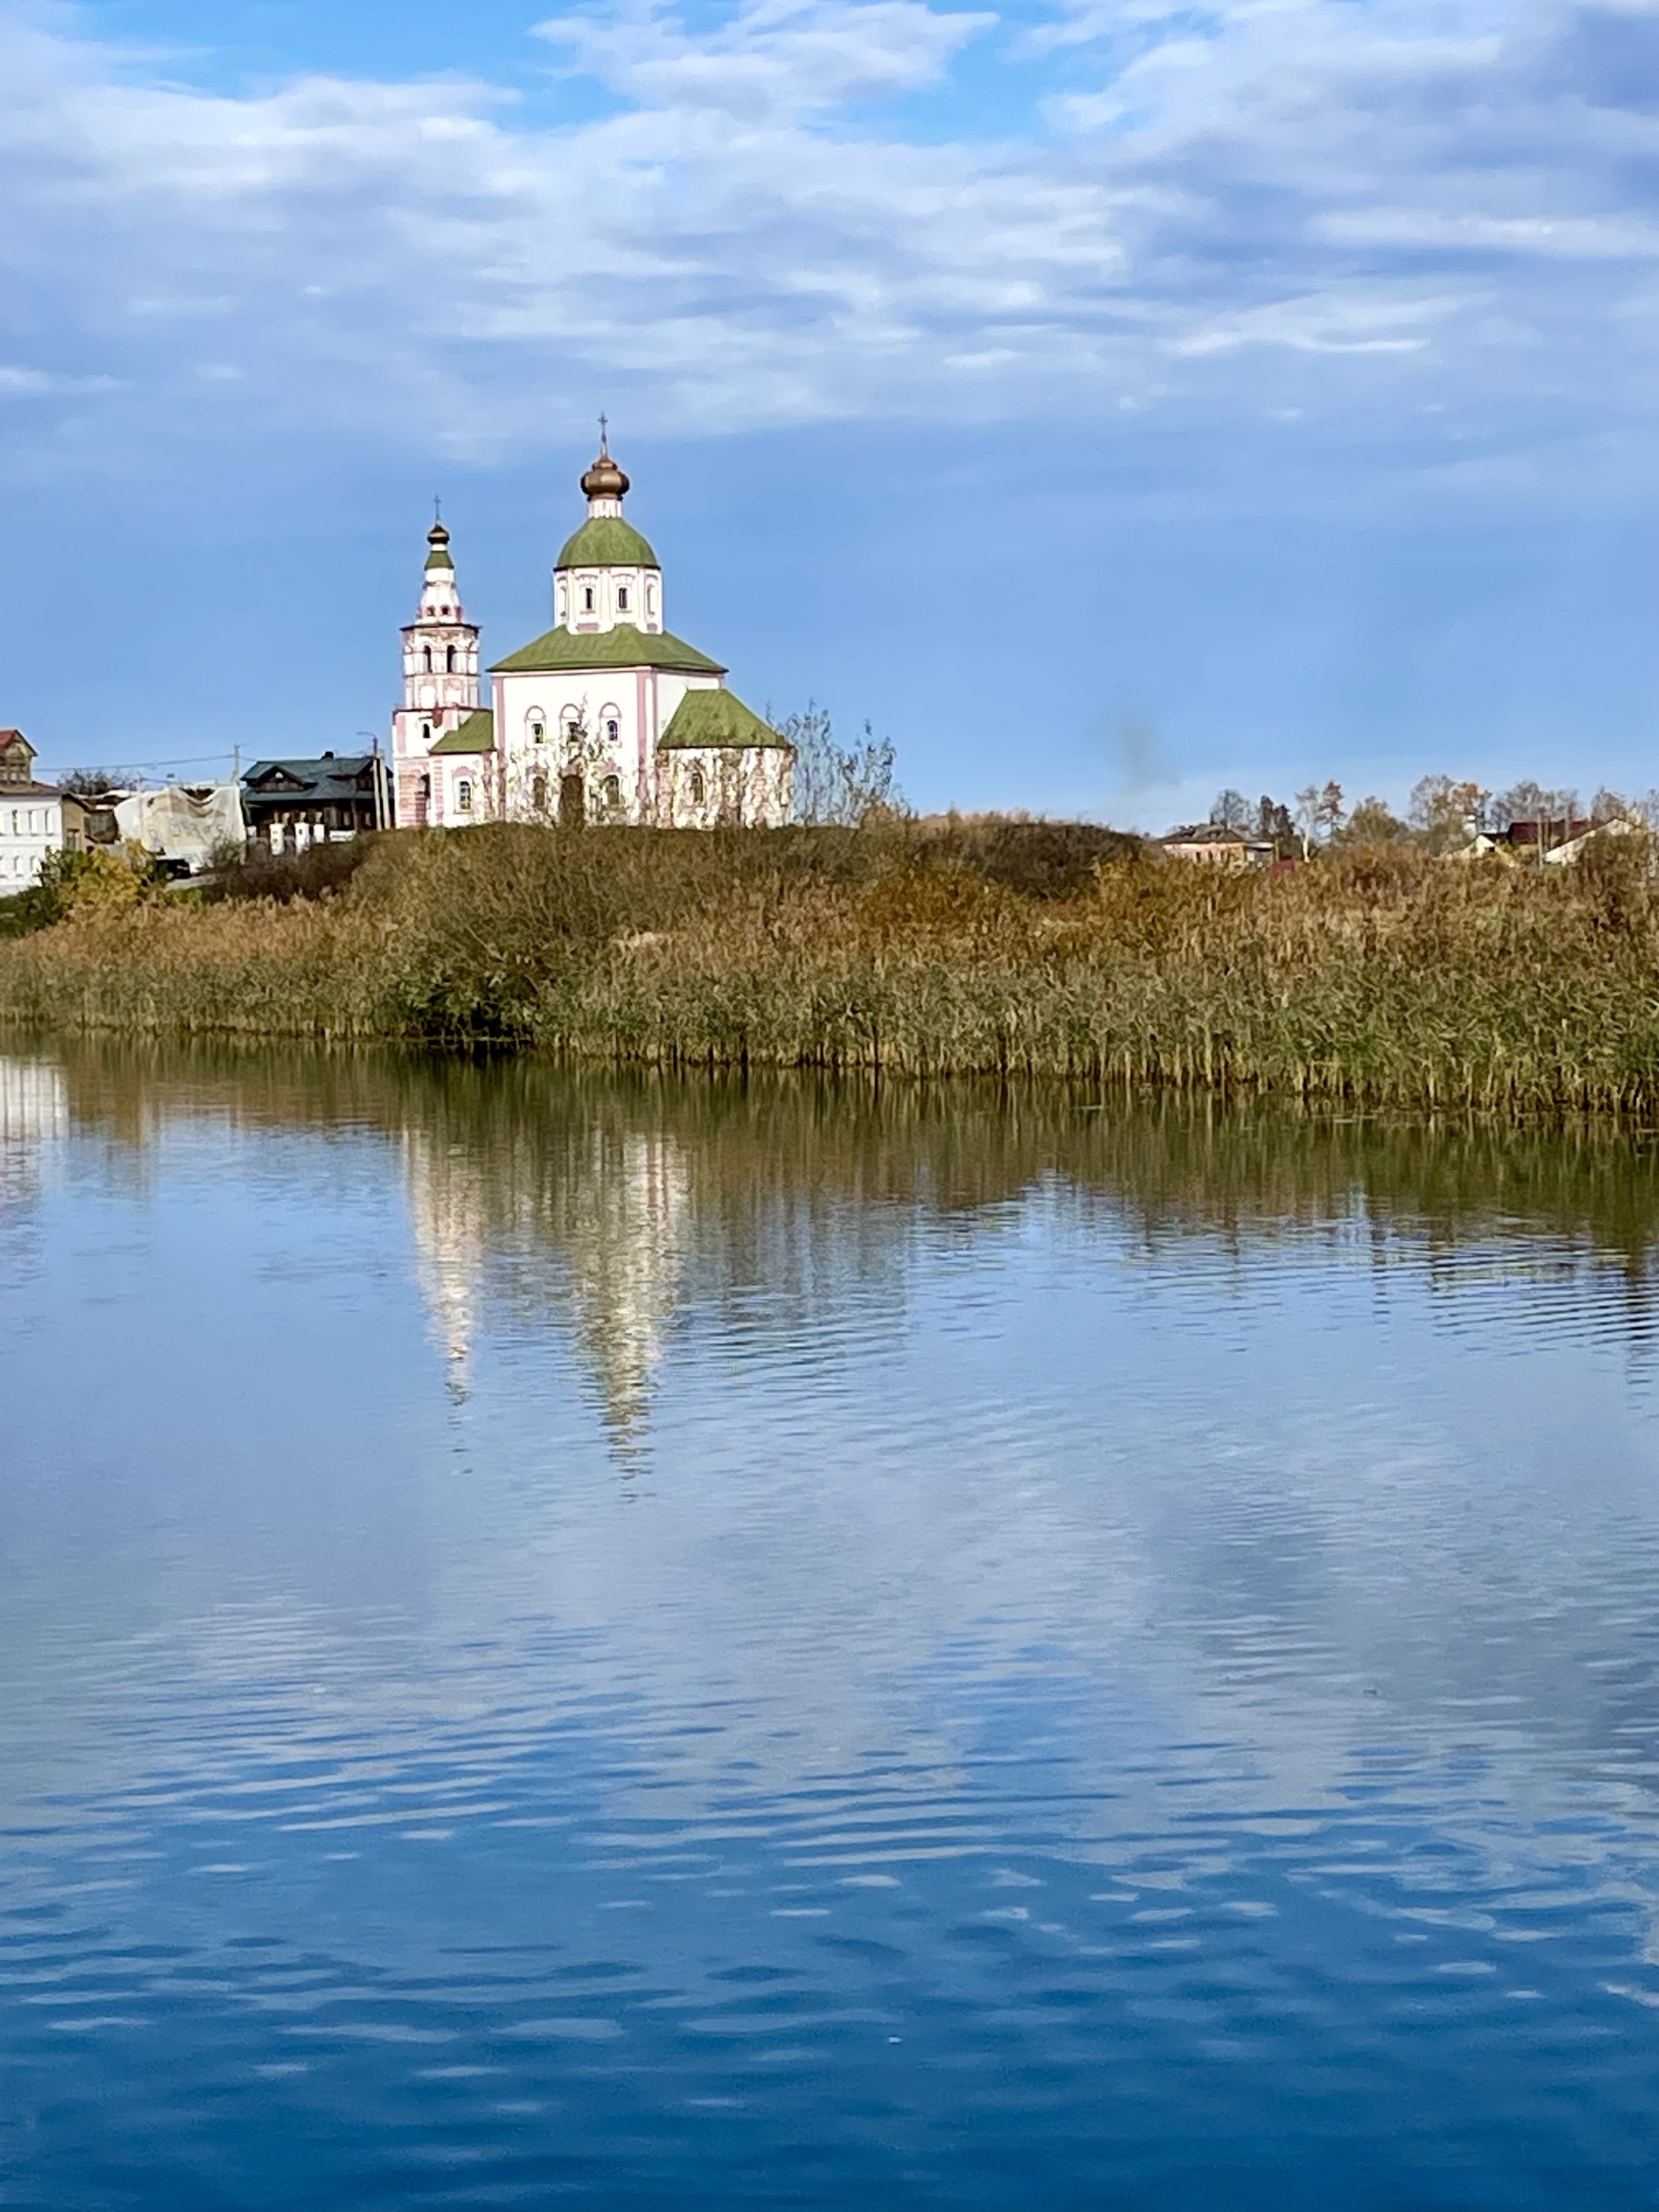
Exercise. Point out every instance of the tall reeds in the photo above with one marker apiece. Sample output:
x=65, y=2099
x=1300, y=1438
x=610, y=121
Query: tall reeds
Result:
x=1385, y=976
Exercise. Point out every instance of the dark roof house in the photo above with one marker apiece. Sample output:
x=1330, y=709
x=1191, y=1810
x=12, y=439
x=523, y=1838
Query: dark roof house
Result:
x=340, y=791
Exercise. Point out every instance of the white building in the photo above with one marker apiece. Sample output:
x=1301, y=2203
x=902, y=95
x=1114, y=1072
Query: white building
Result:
x=31, y=816
x=607, y=716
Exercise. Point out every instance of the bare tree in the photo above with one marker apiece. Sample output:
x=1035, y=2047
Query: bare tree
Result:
x=1319, y=814
x=847, y=785
x=1527, y=801
x=1230, y=810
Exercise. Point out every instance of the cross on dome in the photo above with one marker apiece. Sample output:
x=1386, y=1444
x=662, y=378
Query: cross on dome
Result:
x=604, y=485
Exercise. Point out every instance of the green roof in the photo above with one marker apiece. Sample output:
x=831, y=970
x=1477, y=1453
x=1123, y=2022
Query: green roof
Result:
x=718, y=720
x=606, y=542
x=475, y=735
x=622, y=647
x=437, y=558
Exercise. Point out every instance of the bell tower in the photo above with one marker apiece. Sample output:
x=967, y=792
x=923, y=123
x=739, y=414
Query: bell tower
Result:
x=440, y=678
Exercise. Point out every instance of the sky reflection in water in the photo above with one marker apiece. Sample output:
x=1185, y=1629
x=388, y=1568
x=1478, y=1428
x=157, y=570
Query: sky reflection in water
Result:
x=565, y=1639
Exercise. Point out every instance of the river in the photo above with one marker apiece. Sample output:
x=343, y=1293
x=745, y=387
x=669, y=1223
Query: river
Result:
x=569, y=1639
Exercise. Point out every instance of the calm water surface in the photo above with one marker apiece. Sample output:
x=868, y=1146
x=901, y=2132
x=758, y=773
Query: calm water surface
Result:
x=570, y=1641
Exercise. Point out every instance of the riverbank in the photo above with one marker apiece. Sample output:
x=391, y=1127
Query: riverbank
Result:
x=1381, y=975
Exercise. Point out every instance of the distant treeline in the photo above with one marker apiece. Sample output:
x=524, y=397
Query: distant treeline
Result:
x=1442, y=813
x=925, y=949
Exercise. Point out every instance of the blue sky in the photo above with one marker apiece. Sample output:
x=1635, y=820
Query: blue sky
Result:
x=1109, y=399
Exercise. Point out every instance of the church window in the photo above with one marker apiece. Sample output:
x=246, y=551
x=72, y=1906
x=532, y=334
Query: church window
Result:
x=426, y=732
x=537, y=730
x=426, y=653
x=451, y=662
x=622, y=597
x=539, y=794
x=611, y=729
x=464, y=796
x=699, y=789
x=587, y=599
x=612, y=789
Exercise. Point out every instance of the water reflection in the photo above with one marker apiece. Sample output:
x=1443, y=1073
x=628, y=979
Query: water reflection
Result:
x=606, y=1205
x=1126, y=1635
x=34, y=1119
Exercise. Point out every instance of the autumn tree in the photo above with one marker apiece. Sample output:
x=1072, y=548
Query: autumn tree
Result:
x=1373, y=821
x=1445, y=814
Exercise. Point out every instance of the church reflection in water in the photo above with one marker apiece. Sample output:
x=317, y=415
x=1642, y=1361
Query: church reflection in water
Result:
x=597, y=1215
x=608, y=1233
x=34, y=1122
x=609, y=1209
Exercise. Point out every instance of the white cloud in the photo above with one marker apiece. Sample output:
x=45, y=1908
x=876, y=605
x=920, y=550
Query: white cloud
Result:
x=1340, y=323
x=1315, y=204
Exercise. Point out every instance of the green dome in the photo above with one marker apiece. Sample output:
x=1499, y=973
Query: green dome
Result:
x=606, y=542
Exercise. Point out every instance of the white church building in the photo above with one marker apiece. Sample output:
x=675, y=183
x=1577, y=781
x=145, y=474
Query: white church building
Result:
x=605, y=717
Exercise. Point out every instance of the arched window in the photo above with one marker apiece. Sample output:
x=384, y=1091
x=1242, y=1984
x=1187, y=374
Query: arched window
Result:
x=587, y=599
x=622, y=599
x=538, y=794
x=651, y=601
x=611, y=791
x=610, y=728
x=537, y=730
x=464, y=796
x=426, y=656
x=426, y=732
x=450, y=662
x=699, y=789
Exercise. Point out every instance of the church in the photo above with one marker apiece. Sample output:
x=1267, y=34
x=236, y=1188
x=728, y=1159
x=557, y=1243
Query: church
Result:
x=605, y=717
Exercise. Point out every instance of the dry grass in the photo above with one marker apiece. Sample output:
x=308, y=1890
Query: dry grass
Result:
x=1382, y=975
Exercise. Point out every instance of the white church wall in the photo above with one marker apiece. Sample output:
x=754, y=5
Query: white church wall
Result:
x=701, y=787
x=598, y=599
x=574, y=711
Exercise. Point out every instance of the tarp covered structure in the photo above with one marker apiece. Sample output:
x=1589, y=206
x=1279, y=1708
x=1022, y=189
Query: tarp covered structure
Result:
x=184, y=822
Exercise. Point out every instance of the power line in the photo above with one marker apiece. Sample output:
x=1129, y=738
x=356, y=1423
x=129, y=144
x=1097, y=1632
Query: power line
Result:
x=182, y=760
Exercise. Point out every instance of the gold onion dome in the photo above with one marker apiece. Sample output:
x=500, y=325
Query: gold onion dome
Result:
x=604, y=481
x=438, y=538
